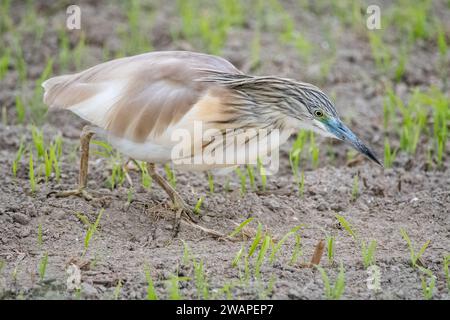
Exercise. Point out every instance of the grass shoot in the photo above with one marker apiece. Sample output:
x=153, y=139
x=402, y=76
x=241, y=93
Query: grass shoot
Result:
x=414, y=257
x=151, y=292
x=92, y=229
x=333, y=292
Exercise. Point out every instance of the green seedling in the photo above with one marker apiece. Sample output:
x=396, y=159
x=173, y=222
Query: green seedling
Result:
x=381, y=53
x=261, y=255
x=428, y=281
x=117, y=175
x=117, y=289
x=133, y=36
x=227, y=184
x=130, y=195
x=5, y=60
x=333, y=292
x=297, y=252
x=47, y=166
x=211, y=182
x=330, y=248
x=64, y=50
x=225, y=291
x=255, y=51
x=54, y=159
x=314, y=151
x=187, y=11
x=57, y=143
x=256, y=240
x=263, y=293
x=240, y=228
x=441, y=40
x=346, y=225
x=38, y=141
x=170, y=175
x=262, y=173
x=198, y=205
x=411, y=21
x=31, y=173
x=83, y=219
x=440, y=104
x=401, y=65
x=46, y=73
x=20, y=110
x=151, y=292
x=18, y=158
x=43, y=266
x=14, y=274
x=237, y=257
x=5, y=16
x=79, y=51
x=186, y=254
x=295, y=153
x=294, y=160
x=446, y=270
x=40, y=239
x=368, y=253
x=105, y=151
x=20, y=64
x=388, y=109
x=414, y=118
x=201, y=282
x=173, y=287
x=301, y=186
x=146, y=180
x=389, y=154
x=92, y=229
x=243, y=180
x=276, y=247
x=251, y=176
x=367, y=249
x=414, y=257
x=246, y=277
x=2, y=265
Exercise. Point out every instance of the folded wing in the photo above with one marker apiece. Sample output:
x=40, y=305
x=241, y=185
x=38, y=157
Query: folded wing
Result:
x=138, y=96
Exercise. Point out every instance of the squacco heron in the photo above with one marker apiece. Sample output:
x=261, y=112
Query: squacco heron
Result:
x=138, y=102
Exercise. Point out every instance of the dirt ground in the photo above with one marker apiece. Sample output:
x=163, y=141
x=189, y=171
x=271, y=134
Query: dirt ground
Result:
x=131, y=236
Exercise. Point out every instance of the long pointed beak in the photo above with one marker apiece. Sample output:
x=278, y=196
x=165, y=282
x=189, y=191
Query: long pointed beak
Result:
x=342, y=132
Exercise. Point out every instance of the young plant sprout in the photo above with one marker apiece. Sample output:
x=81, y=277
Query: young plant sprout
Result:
x=333, y=292
x=414, y=257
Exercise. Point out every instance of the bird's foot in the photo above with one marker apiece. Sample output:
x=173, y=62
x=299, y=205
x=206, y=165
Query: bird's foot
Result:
x=82, y=193
x=181, y=208
x=190, y=219
x=182, y=211
x=79, y=192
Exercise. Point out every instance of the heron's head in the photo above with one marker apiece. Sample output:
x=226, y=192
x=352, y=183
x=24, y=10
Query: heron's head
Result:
x=311, y=109
x=302, y=105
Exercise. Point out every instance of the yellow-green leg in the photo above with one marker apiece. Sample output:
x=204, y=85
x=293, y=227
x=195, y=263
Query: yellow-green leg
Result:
x=85, y=138
x=178, y=202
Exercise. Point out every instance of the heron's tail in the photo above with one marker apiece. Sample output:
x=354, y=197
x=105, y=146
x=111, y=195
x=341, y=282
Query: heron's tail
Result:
x=52, y=86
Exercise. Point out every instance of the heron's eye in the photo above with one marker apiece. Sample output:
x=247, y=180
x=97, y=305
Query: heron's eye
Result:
x=318, y=113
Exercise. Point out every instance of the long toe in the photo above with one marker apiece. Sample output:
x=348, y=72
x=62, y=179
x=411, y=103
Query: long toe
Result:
x=82, y=193
x=188, y=212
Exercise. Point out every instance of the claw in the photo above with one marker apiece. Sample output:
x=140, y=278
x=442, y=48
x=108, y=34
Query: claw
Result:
x=183, y=208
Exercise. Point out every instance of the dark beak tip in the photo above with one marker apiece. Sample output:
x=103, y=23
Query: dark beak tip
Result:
x=379, y=163
x=372, y=157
